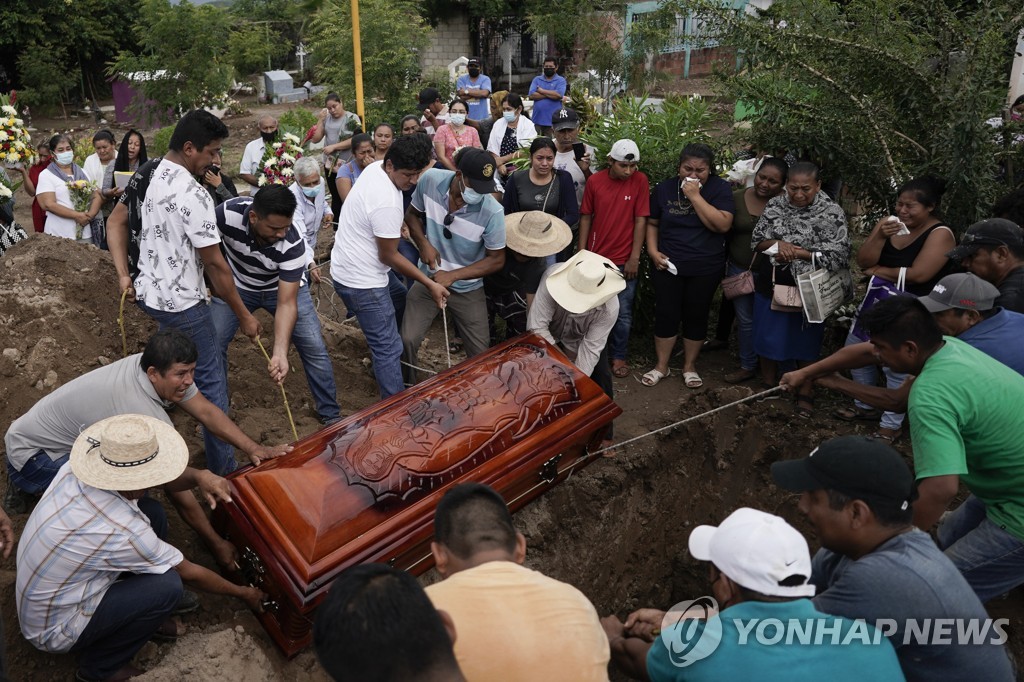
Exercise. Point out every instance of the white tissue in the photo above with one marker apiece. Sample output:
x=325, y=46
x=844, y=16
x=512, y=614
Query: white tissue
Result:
x=671, y=267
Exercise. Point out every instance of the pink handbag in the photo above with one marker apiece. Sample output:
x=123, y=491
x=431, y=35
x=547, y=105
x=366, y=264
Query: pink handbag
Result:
x=739, y=284
x=785, y=298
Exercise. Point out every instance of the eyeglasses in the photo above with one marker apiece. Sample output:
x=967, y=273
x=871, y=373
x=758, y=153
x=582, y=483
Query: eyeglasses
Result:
x=448, y=220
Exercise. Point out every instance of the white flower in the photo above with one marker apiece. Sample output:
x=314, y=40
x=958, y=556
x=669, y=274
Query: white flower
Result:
x=9, y=110
x=288, y=157
x=5, y=191
x=287, y=172
x=13, y=158
x=270, y=162
x=262, y=180
x=292, y=138
x=3, y=135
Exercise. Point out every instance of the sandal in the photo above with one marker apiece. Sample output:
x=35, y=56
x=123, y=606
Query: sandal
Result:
x=888, y=435
x=739, y=376
x=620, y=369
x=855, y=414
x=805, y=410
x=692, y=380
x=654, y=376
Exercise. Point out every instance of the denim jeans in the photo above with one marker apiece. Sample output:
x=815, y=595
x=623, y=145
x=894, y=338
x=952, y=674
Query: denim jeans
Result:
x=376, y=309
x=869, y=377
x=307, y=337
x=37, y=474
x=618, y=340
x=211, y=380
x=990, y=558
x=412, y=254
x=744, y=307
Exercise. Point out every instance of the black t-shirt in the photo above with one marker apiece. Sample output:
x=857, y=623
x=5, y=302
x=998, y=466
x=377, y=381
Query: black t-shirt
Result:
x=692, y=247
x=537, y=197
x=1011, y=291
x=133, y=197
x=515, y=276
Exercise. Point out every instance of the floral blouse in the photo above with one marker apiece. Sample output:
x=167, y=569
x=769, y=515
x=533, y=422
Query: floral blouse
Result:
x=819, y=228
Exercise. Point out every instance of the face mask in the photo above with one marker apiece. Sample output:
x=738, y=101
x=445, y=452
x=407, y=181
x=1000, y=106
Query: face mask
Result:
x=549, y=72
x=473, y=73
x=65, y=158
x=471, y=196
x=457, y=119
x=268, y=137
x=311, y=192
x=508, y=115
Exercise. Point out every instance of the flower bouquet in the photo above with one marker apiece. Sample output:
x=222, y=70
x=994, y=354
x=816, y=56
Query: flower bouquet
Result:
x=81, y=192
x=279, y=160
x=15, y=142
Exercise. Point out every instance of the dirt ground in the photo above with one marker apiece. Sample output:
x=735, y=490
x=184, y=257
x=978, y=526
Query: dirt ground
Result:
x=617, y=530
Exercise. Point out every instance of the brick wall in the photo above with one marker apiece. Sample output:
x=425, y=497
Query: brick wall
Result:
x=449, y=41
x=702, y=61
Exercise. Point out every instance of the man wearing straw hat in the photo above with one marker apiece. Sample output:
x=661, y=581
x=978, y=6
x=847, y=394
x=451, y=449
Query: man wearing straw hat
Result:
x=530, y=236
x=94, y=576
x=576, y=308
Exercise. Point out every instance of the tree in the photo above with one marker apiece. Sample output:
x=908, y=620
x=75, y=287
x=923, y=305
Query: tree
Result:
x=264, y=30
x=392, y=34
x=184, y=52
x=877, y=91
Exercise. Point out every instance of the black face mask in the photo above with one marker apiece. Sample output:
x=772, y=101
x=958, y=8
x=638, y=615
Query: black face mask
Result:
x=473, y=73
x=268, y=137
x=549, y=72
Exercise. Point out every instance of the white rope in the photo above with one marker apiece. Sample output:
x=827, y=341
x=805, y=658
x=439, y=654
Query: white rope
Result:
x=418, y=369
x=447, y=348
x=690, y=419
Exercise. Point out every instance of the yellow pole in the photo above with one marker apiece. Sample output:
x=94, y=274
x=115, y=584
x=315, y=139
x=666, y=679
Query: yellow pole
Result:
x=357, y=55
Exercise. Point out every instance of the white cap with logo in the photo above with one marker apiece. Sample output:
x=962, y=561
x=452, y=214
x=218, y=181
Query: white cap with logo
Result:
x=756, y=550
x=625, y=150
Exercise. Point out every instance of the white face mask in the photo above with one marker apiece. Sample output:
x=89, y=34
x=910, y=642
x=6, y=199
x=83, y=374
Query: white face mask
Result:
x=509, y=116
x=457, y=119
x=65, y=158
x=311, y=192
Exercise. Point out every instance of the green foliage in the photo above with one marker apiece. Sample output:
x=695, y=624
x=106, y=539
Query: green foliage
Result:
x=188, y=45
x=160, y=142
x=43, y=69
x=83, y=147
x=392, y=33
x=264, y=29
x=296, y=121
x=877, y=91
x=250, y=46
x=660, y=135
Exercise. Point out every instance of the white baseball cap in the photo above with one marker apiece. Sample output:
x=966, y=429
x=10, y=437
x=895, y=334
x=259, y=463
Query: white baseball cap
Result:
x=625, y=150
x=756, y=550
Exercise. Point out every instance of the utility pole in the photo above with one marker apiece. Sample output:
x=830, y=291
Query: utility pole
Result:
x=358, y=61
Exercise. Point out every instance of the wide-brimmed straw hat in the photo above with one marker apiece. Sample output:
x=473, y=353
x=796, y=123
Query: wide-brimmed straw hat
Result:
x=584, y=282
x=128, y=452
x=536, y=233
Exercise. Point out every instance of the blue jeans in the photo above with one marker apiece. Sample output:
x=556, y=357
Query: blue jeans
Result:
x=869, y=377
x=376, y=310
x=990, y=558
x=412, y=254
x=37, y=474
x=744, y=307
x=618, y=340
x=211, y=379
x=307, y=337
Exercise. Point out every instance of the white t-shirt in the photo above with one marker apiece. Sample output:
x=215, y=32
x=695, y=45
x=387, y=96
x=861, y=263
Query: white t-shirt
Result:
x=95, y=169
x=57, y=225
x=373, y=209
x=251, y=159
x=567, y=161
x=177, y=219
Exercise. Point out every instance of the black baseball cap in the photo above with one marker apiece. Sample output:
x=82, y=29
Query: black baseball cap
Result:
x=473, y=61
x=428, y=96
x=992, y=232
x=859, y=467
x=565, y=118
x=477, y=166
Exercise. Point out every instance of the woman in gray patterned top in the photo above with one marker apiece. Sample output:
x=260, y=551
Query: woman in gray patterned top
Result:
x=800, y=230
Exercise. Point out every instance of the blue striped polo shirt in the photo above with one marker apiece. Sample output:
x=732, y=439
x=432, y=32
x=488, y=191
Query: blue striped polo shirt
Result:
x=257, y=268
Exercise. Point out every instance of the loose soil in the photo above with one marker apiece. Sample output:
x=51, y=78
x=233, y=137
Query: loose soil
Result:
x=617, y=530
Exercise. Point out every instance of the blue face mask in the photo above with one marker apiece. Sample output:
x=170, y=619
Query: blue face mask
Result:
x=471, y=196
x=65, y=158
x=509, y=115
x=311, y=192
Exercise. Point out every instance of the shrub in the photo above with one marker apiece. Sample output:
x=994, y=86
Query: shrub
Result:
x=160, y=142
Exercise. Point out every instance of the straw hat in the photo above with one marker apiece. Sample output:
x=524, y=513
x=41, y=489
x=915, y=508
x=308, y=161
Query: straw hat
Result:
x=128, y=452
x=535, y=233
x=584, y=282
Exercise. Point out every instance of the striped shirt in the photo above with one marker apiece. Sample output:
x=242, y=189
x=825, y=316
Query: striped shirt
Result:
x=255, y=267
x=473, y=229
x=76, y=544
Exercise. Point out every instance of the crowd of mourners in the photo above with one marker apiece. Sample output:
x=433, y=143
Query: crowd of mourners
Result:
x=510, y=224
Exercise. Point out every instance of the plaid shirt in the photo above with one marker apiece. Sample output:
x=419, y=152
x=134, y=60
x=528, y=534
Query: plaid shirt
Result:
x=77, y=542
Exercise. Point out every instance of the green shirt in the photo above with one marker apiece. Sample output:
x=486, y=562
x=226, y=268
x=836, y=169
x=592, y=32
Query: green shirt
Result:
x=965, y=419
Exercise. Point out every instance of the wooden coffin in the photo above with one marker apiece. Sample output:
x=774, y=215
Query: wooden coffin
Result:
x=519, y=417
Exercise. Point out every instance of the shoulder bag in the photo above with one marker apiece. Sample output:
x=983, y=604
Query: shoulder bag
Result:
x=741, y=283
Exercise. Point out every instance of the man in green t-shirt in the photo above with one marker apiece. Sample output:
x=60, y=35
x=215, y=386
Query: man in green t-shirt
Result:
x=965, y=423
